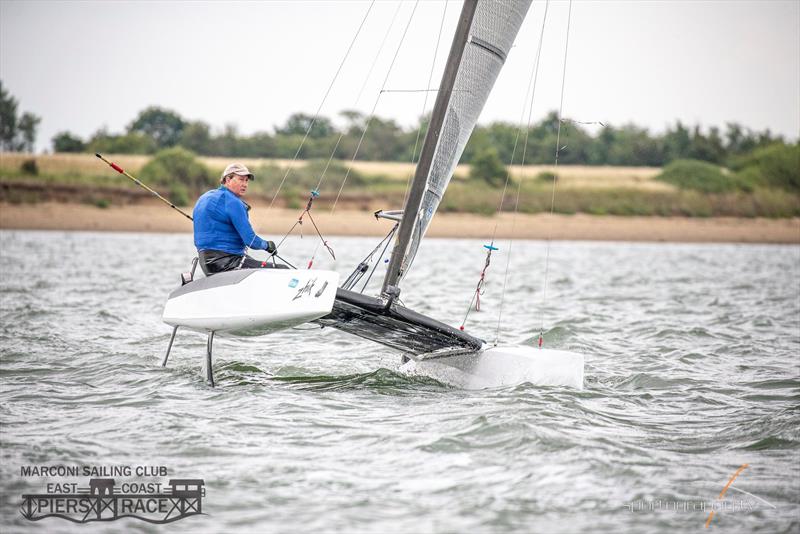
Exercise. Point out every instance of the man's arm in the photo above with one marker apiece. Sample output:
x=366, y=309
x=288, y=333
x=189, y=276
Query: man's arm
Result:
x=238, y=215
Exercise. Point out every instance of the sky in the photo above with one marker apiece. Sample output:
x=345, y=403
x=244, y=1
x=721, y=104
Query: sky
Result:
x=86, y=65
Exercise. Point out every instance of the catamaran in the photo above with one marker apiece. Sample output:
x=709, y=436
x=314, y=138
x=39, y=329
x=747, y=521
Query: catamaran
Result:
x=235, y=302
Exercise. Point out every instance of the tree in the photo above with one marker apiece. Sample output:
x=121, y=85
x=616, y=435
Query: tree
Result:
x=504, y=136
x=549, y=124
x=488, y=167
x=16, y=134
x=67, y=142
x=258, y=145
x=196, y=136
x=478, y=142
x=286, y=146
x=355, y=121
x=634, y=146
x=677, y=143
x=163, y=125
x=227, y=143
x=600, y=148
x=707, y=148
x=8, y=120
x=738, y=140
x=130, y=143
x=27, y=126
x=382, y=142
x=300, y=123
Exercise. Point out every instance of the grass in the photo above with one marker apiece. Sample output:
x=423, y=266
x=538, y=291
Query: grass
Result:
x=580, y=189
x=88, y=164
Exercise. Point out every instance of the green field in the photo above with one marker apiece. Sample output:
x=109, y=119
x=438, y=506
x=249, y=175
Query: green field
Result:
x=579, y=189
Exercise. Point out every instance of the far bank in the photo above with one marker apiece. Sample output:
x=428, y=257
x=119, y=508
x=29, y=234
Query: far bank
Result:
x=274, y=223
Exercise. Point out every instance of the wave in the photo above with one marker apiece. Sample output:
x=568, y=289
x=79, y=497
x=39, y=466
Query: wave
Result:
x=376, y=380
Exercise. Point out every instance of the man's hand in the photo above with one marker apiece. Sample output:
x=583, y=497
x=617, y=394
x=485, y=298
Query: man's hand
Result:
x=271, y=247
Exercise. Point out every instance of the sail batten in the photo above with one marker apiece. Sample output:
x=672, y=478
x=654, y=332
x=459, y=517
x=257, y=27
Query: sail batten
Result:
x=486, y=32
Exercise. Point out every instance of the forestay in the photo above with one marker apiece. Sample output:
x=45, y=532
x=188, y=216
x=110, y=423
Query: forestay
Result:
x=494, y=27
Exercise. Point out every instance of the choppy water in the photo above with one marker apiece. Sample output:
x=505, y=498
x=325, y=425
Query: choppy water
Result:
x=692, y=370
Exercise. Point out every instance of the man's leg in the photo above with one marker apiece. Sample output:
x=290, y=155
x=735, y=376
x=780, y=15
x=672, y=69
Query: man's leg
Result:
x=252, y=263
x=215, y=261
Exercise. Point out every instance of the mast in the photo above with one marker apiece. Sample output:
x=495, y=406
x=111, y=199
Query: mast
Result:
x=411, y=209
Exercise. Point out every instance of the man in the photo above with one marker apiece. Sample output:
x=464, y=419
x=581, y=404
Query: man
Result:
x=222, y=229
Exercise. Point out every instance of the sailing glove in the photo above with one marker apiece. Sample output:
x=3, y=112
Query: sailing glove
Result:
x=271, y=247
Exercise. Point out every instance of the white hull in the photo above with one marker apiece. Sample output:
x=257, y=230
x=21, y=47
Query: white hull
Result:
x=503, y=365
x=252, y=302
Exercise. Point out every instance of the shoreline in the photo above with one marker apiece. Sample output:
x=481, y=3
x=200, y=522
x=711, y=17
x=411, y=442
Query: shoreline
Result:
x=277, y=221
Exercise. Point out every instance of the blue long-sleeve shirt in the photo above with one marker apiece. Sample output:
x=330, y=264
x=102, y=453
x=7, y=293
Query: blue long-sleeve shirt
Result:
x=221, y=223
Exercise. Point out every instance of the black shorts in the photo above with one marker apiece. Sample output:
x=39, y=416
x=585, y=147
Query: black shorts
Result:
x=216, y=261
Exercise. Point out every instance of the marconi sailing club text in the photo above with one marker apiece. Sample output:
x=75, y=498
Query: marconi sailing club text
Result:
x=95, y=471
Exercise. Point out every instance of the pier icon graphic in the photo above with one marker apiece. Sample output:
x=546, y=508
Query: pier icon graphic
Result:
x=101, y=486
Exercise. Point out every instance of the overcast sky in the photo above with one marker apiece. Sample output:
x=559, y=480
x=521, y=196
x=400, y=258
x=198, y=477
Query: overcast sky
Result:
x=84, y=65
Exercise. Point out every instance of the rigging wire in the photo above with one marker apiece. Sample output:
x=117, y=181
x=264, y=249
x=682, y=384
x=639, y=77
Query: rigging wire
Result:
x=479, y=289
x=363, y=265
x=533, y=80
x=315, y=192
x=419, y=131
x=355, y=105
x=476, y=295
x=573, y=121
x=319, y=108
x=366, y=125
x=360, y=92
x=388, y=239
x=374, y=107
x=553, y=195
x=425, y=102
x=490, y=247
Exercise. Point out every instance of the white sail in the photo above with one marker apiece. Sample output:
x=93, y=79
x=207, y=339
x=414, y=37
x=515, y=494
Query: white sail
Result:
x=491, y=35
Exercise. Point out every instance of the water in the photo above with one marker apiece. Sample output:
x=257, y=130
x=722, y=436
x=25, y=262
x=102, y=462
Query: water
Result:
x=692, y=370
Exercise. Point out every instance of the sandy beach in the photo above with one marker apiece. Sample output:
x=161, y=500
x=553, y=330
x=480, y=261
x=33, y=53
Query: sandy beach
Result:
x=276, y=222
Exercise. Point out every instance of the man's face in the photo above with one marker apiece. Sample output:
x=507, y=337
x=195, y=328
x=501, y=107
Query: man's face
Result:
x=237, y=184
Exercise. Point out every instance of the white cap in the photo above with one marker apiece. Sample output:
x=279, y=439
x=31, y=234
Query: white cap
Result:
x=236, y=168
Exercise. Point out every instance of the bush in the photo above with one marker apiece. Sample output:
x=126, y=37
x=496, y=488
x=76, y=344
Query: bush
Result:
x=546, y=177
x=177, y=166
x=307, y=177
x=487, y=167
x=178, y=194
x=30, y=167
x=701, y=176
x=776, y=165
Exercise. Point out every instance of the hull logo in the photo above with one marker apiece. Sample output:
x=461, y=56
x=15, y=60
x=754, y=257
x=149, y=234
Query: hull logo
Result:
x=305, y=290
x=321, y=290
